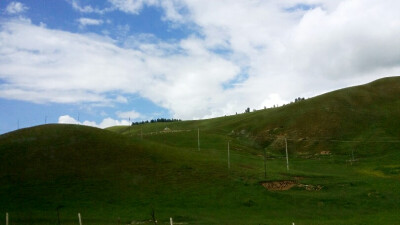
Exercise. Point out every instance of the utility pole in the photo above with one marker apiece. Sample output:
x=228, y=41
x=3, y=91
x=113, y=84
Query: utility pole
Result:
x=80, y=219
x=58, y=213
x=265, y=163
x=229, y=159
x=198, y=138
x=287, y=157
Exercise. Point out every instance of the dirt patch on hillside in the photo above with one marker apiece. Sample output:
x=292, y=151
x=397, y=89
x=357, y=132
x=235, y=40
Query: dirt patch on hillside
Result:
x=282, y=185
x=285, y=185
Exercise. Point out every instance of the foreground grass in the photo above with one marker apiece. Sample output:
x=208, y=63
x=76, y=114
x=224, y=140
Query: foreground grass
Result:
x=196, y=187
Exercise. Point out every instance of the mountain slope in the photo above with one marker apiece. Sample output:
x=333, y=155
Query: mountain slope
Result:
x=361, y=114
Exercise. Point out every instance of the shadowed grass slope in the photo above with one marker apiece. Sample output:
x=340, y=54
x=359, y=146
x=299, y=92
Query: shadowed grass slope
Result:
x=69, y=165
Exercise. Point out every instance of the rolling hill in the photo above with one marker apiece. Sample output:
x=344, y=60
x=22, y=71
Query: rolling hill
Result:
x=343, y=154
x=365, y=114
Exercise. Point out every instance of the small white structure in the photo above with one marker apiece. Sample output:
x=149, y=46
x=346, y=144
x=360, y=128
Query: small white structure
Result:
x=325, y=152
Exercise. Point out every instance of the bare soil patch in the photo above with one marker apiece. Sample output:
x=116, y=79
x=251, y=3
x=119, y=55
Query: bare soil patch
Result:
x=282, y=185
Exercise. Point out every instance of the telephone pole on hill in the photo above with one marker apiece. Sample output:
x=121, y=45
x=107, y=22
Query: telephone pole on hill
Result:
x=287, y=157
x=198, y=139
x=265, y=163
x=229, y=159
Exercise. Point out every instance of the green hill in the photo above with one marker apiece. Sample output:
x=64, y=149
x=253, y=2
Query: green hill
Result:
x=351, y=117
x=343, y=151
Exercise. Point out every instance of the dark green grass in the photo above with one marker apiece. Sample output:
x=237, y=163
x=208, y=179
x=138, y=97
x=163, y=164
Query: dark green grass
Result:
x=119, y=175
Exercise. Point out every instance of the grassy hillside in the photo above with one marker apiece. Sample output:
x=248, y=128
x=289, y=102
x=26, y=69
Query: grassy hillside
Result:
x=119, y=175
x=363, y=117
x=93, y=171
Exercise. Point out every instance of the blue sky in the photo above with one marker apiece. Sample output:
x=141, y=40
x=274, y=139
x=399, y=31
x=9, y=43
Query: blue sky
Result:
x=103, y=63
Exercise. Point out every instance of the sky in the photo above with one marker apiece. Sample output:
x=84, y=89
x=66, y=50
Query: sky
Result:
x=110, y=62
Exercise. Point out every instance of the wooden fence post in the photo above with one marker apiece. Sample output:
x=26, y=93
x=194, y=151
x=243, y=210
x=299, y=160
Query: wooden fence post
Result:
x=80, y=219
x=170, y=221
x=6, y=218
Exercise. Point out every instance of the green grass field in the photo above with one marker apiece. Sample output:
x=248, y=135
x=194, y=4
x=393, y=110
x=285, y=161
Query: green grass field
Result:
x=121, y=174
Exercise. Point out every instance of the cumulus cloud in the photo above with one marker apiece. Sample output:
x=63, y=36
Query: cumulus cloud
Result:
x=121, y=99
x=88, y=8
x=78, y=68
x=297, y=40
x=16, y=8
x=83, y=9
x=127, y=6
x=89, y=22
x=107, y=122
x=64, y=67
x=296, y=46
x=131, y=6
x=66, y=119
x=172, y=8
x=356, y=37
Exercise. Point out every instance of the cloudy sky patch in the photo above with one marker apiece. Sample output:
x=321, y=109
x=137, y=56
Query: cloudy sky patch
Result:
x=16, y=8
x=89, y=22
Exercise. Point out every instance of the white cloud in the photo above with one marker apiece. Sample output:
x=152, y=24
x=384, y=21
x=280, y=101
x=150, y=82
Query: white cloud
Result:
x=89, y=22
x=66, y=67
x=130, y=114
x=88, y=8
x=121, y=99
x=107, y=122
x=83, y=9
x=16, y=8
x=132, y=6
x=66, y=119
x=273, y=99
x=329, y=45
x=357, y=38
